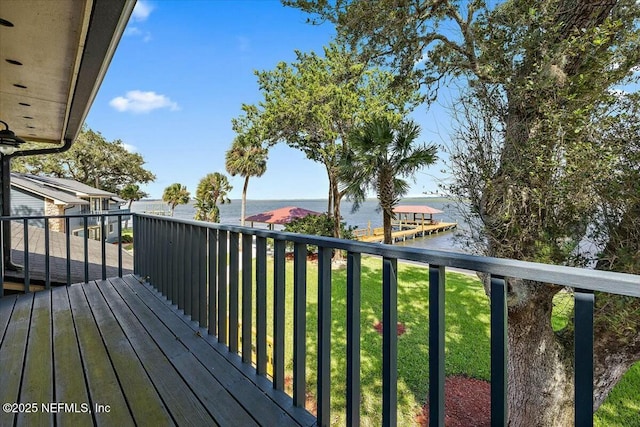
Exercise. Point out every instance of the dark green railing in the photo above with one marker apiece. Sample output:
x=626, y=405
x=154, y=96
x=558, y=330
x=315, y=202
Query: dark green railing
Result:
x=182, y=259
x=72, y=244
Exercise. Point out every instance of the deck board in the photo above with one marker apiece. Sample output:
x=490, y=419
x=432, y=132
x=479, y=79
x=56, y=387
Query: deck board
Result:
x=70, y=385
x=241, y=388
x=12, y=354
x=117, y=343
x=144, y=402
x=38, y=366
x=104, y=387
x=183, y=404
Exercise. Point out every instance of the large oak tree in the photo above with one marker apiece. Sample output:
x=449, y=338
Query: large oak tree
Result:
x=92, y=160
x=538, y=152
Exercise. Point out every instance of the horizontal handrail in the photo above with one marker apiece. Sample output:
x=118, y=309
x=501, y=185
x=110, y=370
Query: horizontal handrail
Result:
x=582, y=278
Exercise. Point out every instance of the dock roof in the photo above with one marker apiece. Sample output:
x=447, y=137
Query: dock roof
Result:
x=416, y=209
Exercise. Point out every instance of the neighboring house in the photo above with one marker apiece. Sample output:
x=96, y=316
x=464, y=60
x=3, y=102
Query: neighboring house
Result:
x=33, y=195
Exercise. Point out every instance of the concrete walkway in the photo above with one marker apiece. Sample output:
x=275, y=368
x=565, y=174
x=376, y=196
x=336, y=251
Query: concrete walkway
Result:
x=58, y=257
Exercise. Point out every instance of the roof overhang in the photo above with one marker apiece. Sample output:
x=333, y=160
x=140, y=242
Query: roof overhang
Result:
x=52, y=62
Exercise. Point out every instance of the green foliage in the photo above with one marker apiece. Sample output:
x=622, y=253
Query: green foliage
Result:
x=212, y=189
x=91, y=160
x=246, y=158
x=380, y=155
x=314, y=102
x=132, y=193
x=318, y=225
x=174, y=195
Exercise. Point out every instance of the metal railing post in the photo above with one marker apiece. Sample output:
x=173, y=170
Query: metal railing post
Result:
x=353, y=338
x=324, y=336
x=436, y=345
x=499, y=374
x=389, y=341
x=583, y=342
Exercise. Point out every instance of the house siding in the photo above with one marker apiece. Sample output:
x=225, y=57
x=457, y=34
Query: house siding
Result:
x=25, y=204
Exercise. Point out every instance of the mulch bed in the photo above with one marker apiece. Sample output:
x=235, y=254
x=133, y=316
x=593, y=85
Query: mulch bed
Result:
x=467, y=402
x=401, y=328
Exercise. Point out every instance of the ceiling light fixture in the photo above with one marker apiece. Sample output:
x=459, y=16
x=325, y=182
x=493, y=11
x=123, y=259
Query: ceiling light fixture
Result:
x=9, y=142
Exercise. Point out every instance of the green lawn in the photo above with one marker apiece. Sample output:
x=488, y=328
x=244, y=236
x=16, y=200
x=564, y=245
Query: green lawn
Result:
x=467, y=341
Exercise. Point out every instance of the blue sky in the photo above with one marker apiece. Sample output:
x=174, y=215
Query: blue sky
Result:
x=182, y=71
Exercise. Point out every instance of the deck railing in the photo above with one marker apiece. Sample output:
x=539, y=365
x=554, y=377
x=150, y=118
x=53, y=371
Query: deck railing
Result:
x=207, y=271
x=67, y=259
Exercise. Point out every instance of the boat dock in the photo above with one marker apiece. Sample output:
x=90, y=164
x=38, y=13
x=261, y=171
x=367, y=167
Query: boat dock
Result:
x=411, y=222
x=400, y=235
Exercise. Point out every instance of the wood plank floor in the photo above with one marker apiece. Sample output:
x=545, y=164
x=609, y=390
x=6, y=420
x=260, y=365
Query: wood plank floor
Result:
x=116, y=353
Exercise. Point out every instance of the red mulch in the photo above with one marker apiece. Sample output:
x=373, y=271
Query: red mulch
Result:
x=401, y=328
x=310, y=257
x=310, y=400
x=467, y=402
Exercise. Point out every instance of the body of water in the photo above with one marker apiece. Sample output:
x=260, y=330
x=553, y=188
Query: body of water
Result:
x=367, y=214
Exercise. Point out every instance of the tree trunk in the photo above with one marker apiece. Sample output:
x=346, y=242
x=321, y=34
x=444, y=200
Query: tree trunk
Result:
x=386, y=224
x=243, y=208
x=540, y=367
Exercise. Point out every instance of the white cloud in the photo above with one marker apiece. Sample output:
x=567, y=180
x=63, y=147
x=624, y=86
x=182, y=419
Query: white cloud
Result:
x=137, y=101
x=130, y=148
x=133, y=31
x=141, y=11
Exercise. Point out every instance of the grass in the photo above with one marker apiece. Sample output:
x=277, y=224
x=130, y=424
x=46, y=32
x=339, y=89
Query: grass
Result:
x=467, y=341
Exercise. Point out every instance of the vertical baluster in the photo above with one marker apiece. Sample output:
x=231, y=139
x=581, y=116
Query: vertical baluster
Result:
x=137, y=244
x=583, y=341
x=47, y=255
x=278, y=313
x=164, y=256
x=299, y=323
x=27, y=279
x=178, y=264
x=234, y=268
x=222, y=287
x=247, y=273
x=261, y=305
x=353, y=338
x=103, y=244
x=171, y=263
x=324, y=336
x=85, y=222
x=68, y=248
x=213, y=282
x=202, y=277
x=195, y=274
x=389, y=341
x=436, y=345
x=120, y=246
x=188, y=267
x=499, y=414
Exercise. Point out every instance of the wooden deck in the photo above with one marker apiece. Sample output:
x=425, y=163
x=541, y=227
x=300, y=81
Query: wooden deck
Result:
x=116, y=353
x=411, y=232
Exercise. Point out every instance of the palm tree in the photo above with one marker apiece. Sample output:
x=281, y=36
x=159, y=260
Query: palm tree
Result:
x=379, y=156
x=174, y=195
x=246, y=160
x=211, y=190
x=132, y=193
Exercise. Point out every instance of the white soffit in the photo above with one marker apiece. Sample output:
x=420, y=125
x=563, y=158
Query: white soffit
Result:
x=52, y=61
